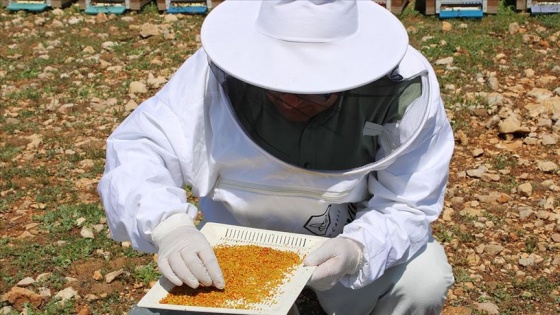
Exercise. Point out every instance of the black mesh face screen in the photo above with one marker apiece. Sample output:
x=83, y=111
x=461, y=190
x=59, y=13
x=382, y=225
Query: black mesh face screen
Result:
x=322, y=131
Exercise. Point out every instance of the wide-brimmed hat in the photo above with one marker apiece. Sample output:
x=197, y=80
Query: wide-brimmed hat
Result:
x=304, y=46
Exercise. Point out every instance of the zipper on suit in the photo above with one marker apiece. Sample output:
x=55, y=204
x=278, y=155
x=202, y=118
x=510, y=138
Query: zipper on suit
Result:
x=328, y=196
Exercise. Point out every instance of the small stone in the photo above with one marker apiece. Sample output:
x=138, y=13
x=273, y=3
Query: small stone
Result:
x=548, y=140
x=45, y=292
x=514, y=28
x=511, y=125
x=43, y=276
x=66, y=294
x=493, y=249
x=490, y=177
x=493, y=83
x=130, y=106
x=101, y=17
x=477, y=152
x=471, y=212
x=487, y=308
x=547, y=166
x=527, y=261
x=462, y=137
x=137, y=87
x=170, y=18
x=477, y=173
x=26, y=282
x=86, y=233
x=97, y=275
x=80, y=221
x=544, y=215
x=91, y=297
x=70, y=279
x=111, y=276
x=525, y=213
x=525, y=189
x=444, y=61
x=148, y=30
x=98, y=227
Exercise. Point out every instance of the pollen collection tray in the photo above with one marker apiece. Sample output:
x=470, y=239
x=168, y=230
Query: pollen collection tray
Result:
x=222, y=234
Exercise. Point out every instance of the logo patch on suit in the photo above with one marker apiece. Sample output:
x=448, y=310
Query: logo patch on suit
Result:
x=332, y=221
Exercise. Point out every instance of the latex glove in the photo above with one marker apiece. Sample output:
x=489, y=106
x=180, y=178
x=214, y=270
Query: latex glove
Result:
x=184, y=254
x=335, y=258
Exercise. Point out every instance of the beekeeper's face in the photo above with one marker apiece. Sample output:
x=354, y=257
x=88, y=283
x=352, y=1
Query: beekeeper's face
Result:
x=301, y=107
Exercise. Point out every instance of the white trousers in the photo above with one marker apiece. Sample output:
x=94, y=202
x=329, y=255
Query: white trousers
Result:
x=418, y=287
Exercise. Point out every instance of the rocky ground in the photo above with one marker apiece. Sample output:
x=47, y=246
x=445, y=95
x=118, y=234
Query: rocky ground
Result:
x=67, y=79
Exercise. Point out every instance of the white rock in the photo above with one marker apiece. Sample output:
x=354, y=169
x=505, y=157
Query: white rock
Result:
x=74, y=20
x=547, y=166
x=525, y=213
x=86, y=233
x=525, y=189
x=43, y=291
x=477, y=152
x=156, y=82
x=487, y=308
x=527, y=261
x=548, y=140
x=43, y=276
x=25, y=282
x=148, y=30
x=170, y=18
x=88, y=50
x=35, y=141
x=80, y=221
x=444, y=61
x=540, y=94
x=513, y=28
x=66, y=294
x=130, y=105
x=493, y=83
x=493, y=249
x=57, y=12
x=137, y=87
x=108, y=45
x=512, y=125
x=111, y=276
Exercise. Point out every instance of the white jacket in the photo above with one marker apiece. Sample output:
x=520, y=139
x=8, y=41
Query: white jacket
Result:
x=187, y=135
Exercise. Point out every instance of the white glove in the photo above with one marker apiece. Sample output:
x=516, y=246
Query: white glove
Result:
x=335, y=258
x=184, y=254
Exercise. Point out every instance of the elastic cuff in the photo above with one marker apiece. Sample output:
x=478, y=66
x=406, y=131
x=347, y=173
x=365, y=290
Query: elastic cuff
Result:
x=360, y=248
x=175, y=221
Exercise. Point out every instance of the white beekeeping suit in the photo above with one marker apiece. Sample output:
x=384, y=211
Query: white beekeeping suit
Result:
x=190, y=133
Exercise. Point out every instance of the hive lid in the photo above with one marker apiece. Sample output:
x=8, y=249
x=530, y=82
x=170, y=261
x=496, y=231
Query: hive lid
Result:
x=222, y=234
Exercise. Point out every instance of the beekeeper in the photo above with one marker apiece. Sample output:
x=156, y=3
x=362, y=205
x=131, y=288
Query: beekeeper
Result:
x=312, y=117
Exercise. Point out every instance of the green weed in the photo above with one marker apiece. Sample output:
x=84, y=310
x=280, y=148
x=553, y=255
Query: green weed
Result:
x=146, y=273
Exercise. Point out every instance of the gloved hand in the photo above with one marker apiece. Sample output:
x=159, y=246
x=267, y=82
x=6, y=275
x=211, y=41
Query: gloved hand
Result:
x=184, y=254
x=335, y=258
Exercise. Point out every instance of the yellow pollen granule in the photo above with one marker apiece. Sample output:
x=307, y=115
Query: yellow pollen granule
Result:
x=253, y=275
